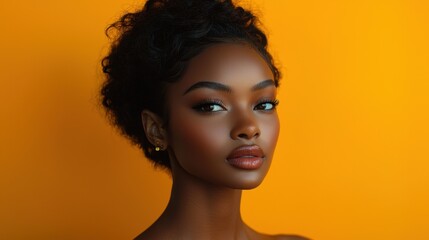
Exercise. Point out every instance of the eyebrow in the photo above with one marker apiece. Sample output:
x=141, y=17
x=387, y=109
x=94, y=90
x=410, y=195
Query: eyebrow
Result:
x=225, y=88
x=263, y=84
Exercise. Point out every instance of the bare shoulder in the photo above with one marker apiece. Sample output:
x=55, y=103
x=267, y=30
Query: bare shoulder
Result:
x=289, y=237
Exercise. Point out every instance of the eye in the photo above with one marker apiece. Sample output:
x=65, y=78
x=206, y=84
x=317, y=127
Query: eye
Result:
x=209, y=106
x=267, y=105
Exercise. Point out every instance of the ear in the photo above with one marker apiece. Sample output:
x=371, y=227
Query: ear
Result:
x=154, y=130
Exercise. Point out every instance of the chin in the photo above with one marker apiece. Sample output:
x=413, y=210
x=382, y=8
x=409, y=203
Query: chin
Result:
x=246, y=181
x=249, y=186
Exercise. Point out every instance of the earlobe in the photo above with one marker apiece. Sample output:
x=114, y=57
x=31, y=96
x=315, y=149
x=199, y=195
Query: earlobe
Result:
x=153, y=128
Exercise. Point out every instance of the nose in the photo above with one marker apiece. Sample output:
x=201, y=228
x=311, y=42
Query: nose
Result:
x=246, y=127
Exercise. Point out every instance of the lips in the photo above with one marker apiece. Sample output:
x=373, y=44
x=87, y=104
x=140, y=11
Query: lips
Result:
x=248, y=157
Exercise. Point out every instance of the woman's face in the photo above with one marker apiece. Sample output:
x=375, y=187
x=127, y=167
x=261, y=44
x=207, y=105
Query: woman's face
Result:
x=223, y=126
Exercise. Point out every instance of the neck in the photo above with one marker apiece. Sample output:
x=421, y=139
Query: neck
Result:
x=198, y=210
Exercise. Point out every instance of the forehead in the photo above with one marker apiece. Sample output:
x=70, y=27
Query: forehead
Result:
x=227, y=63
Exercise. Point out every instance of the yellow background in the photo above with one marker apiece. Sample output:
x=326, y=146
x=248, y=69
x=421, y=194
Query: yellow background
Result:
x=352, y=160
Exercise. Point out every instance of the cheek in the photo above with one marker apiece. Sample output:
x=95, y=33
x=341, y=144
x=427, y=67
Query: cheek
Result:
x=197, y=137
x=270, y=129
x=204, y=137
x=275, y=129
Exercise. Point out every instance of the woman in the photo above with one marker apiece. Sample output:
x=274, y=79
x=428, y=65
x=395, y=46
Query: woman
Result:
x=192, y=84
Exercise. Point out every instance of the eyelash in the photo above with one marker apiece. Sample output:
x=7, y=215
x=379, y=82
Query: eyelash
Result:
x=211, y=102
x=208, y=102
x=273, y=102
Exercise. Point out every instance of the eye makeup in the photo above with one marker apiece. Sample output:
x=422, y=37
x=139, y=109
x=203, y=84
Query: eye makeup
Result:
x=209, y=105
x=266, y=104
x=216, y=105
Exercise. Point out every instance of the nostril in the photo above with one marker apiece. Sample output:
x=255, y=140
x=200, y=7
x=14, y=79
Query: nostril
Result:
x=245, y=130
x=242, y=135
x=246, y=136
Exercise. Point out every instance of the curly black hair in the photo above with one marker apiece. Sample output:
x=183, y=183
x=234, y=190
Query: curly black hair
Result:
x=152, y=48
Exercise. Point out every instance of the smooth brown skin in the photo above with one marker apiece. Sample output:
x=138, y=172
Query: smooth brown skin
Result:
x=206, y=192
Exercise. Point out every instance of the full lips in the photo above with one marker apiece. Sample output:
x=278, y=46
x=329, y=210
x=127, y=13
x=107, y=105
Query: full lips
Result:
x=248, y=157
